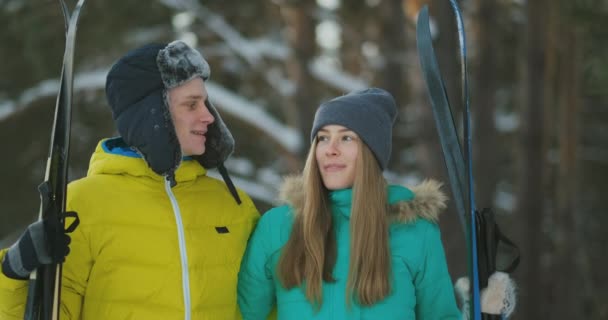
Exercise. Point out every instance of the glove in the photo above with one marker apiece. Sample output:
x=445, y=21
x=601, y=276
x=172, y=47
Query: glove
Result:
x=497, y=298
x=43, y=242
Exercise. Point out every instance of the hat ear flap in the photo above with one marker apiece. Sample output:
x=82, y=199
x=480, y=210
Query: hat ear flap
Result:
x=219, y=143
x=151, y=132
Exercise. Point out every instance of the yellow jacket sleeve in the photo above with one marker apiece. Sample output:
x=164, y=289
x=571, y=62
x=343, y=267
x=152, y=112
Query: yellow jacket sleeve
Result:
x=13, y=294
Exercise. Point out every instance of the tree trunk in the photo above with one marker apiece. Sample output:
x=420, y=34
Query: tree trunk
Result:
x=531, y=197
x=392, y=41
x=484, y=85
x=393, y=44
x=301, y=39
x=567, y=133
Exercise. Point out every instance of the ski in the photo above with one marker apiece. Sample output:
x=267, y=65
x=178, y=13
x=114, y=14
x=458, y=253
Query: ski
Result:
x=458, y=166
x=442, y=113
x=45, y=283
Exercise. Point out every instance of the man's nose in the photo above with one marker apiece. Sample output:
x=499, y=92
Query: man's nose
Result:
x=206, y=115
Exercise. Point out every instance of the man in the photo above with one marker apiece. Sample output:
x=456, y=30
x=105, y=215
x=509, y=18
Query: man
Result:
x=158, y=238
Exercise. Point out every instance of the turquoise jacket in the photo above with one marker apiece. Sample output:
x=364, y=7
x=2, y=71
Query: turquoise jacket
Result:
x=421, y=285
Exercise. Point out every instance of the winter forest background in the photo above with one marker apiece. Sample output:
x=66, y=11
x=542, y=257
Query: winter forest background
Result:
x=538, y=71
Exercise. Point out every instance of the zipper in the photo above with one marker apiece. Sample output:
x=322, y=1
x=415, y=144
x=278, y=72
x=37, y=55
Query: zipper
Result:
x=331, y=299
x=182, y=250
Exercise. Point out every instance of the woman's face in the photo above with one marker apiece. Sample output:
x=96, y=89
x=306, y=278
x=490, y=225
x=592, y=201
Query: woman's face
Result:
x=336, y=153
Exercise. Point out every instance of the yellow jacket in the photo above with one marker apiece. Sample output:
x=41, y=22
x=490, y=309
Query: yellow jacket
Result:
x=126, y=259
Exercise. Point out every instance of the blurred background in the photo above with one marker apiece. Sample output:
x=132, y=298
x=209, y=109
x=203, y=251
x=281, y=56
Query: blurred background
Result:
x=538, y=72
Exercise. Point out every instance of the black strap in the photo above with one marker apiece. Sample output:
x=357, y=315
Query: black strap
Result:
x=75, y=223
x=502, y=239
x=490, y=241
x=228, y=182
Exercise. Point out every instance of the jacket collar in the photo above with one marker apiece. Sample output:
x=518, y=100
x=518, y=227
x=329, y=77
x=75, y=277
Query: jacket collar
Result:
x=113, y=156
x=424, y=200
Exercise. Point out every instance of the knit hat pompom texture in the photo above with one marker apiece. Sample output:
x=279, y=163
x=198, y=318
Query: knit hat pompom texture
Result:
x=370, y=113
x=136, y=89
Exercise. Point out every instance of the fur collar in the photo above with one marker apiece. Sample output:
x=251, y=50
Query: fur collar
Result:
x=427, y=204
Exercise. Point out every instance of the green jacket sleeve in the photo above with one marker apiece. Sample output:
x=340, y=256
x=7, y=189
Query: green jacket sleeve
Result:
x=256, y=291
x=434, y=290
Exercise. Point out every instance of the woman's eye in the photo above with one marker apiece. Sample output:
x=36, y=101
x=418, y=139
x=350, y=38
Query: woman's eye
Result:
x=347, y=138
x=322, y=138
x=192, y=105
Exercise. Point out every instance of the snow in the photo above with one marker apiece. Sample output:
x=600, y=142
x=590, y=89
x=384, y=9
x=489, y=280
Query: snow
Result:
x=278, y=81
x=505, y=201
x=260, y=189
x=245, y=110
x=44, y=89
x=265, y=183
x=92, y=80
x=227, y=101
x=269, y=176
x=506, y=122
x=219, y=26
x=329, y=4
x=330, y=74
x=182, y=20
x=253, y=51
x=270, y=48
x=141, y=36
x=329, y=35
x=254, y=189
x=6, y=109
x=241, y=166
x=407, y=180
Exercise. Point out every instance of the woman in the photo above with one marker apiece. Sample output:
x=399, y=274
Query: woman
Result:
x=347, y=245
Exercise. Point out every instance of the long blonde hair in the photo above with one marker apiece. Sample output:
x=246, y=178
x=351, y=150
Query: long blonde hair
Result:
x=309, y=256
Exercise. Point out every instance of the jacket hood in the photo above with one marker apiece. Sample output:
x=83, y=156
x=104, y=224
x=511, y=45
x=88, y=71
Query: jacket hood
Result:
x=428, y=201
x=114, y=157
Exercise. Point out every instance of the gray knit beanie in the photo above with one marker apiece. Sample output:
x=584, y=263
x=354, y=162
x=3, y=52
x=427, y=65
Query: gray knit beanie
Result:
x=370, y=113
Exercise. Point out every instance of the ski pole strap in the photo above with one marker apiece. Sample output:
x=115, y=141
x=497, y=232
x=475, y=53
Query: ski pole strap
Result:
x=75, y=223
x=491, y=242
x=515, y=262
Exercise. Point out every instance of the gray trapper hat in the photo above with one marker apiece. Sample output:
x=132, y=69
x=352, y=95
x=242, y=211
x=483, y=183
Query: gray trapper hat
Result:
x=136, y=89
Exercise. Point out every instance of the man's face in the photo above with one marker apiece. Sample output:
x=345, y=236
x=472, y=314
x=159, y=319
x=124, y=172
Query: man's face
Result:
x=190, y=115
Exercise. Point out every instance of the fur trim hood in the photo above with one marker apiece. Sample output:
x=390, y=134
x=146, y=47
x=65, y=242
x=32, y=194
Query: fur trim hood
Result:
x=429, y=201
